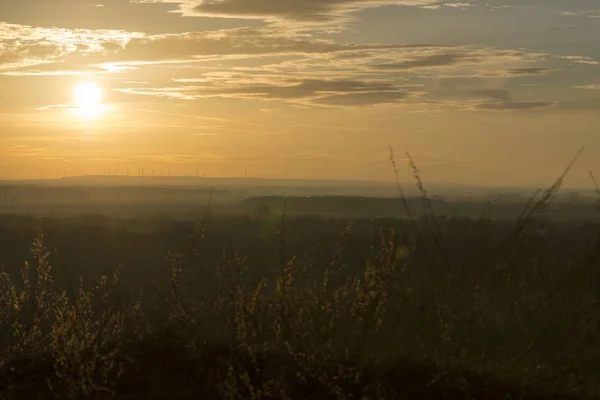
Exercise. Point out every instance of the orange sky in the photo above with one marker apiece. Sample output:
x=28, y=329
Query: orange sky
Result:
x=501, y=92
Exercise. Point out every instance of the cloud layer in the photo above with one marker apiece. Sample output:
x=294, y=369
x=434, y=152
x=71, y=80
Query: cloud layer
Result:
x=274, y=63
x=305, y=11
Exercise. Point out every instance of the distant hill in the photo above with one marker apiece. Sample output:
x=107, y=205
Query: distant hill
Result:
x=178, y=189
x=297, y=186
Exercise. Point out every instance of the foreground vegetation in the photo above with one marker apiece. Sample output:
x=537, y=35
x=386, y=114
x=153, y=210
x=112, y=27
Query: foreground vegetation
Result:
x=276, y=307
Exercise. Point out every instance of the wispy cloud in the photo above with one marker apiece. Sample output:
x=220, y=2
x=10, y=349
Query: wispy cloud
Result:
x=530, y=71
x=316, y=91
x=592, y=86
x=582, y=60
x=361, y=99
x=26, y=46
x=578, y=13
x=513, y=106
x=349, y=76
x=435, y=60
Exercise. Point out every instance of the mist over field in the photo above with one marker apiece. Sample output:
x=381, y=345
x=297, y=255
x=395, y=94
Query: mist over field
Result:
x=186, y=197
x=172, y=282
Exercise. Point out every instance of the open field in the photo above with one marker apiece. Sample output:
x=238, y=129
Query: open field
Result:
x=264, y=304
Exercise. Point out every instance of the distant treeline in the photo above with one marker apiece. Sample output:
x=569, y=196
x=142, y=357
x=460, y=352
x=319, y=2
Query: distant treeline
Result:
x=181, y=202
x=81, y=196
x=365, y=207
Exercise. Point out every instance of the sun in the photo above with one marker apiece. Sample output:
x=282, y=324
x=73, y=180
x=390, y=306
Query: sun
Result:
x=87, y=94
x=87, y=98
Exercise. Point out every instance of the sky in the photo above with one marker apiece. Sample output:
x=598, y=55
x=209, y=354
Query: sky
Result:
x=484, y=92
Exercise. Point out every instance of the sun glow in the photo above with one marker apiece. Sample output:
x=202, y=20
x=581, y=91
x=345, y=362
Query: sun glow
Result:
x=87, y=98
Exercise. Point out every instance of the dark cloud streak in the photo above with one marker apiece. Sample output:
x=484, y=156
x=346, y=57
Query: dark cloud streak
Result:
x=529, y=71
x=436, y=60
x=515, y=106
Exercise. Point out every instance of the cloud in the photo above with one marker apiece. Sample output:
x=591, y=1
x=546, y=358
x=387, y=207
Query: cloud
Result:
x=56, y=67
x=582, y=60
x=24, y=46
x=299, y=10
x=361, y=99
x=435, y=60
x=529, y=71
x=244, y=41
x=268, y=64
x=465, y=90
x=593, y=86
x=348, y=75
x=308, y=91
x=78, y=52
x=465, y=61
x=593, y=13
x=14, y=54
x=515, y=106
x=29, y=51
x=304, y=11
x=314, y=87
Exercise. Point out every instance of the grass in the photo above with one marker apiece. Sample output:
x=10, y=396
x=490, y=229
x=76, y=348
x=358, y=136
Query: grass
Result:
x=419, y=320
